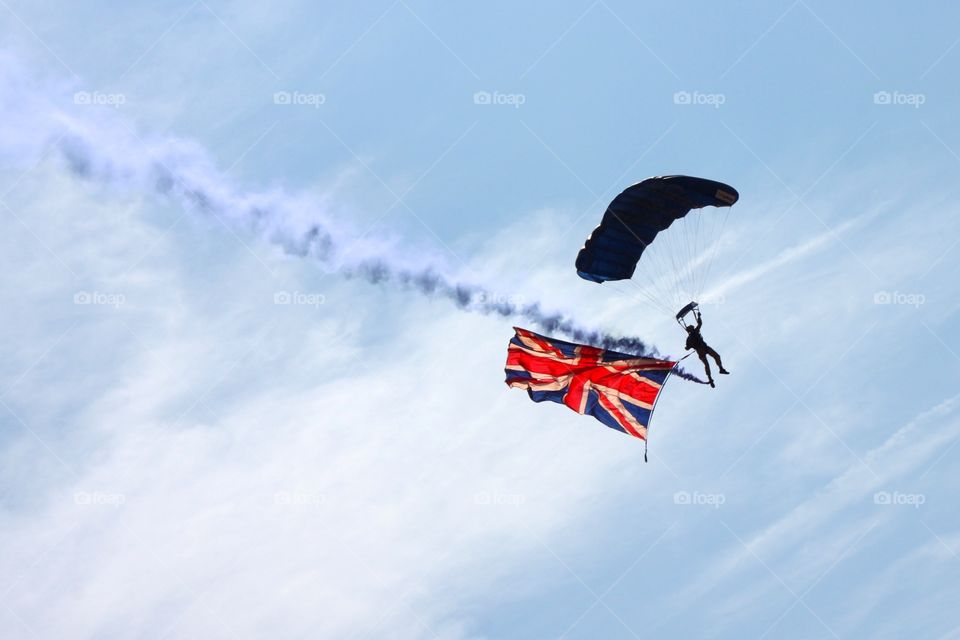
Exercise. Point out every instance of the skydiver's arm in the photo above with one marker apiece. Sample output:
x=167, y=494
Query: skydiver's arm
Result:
x=699, y=322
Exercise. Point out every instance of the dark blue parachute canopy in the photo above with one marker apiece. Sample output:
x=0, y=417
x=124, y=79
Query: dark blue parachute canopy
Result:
x=637, y=215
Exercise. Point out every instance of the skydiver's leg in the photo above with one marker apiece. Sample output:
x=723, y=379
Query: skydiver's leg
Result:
x=716, y=357
x=706, y=366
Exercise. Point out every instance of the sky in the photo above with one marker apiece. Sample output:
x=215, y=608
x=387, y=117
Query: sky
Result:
x=213, y=424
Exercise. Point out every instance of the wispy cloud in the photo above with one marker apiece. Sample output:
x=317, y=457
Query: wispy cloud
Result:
x=788, y=255
x=96, y=145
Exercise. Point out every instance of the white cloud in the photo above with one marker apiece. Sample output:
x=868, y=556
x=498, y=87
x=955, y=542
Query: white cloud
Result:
x=235, y=467
x=298, y=471
x=828, y=525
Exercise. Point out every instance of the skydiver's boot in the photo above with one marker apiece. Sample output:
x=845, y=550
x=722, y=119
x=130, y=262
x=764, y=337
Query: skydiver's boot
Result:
x=724, y=371
x=710, y=382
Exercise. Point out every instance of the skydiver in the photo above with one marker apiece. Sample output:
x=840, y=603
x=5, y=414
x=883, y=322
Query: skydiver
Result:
x=696, y=342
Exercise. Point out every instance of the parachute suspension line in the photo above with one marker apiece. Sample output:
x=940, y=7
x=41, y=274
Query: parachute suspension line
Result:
x=716, y=247
x=697, y=244
x=655, y=269
x=674, y=248
x=691, y=236
x=698, y=253
x=658, y=263
x=651, y=298
x=642, y=266
x=685, y=239
x=675, y=269
x=677, y=257
x=642, y=295
x=704, y=246
x=677, y=250
x=654, y=264
x=701, y=245
x=688, y=243
x=676, y=260
x=708, y=250
x=676, y=263
x=693, y=245
x=703, y=255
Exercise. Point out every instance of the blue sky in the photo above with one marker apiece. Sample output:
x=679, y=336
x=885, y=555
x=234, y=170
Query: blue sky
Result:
x=182, y=457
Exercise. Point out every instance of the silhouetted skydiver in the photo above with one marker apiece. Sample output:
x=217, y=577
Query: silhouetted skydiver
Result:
x=696, y=342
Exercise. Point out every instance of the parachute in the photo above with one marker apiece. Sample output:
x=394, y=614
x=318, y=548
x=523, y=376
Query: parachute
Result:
x=621, y=390
x=675, y=268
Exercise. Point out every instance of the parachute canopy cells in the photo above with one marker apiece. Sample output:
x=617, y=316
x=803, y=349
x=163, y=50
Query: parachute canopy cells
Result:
x=637, y=215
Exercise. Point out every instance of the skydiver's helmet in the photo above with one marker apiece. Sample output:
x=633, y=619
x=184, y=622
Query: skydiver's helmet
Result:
x=691, y=328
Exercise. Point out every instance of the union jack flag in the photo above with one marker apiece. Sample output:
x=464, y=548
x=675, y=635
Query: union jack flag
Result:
x=617, y=389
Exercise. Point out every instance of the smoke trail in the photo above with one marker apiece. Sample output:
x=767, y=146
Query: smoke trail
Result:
x=95, y=145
